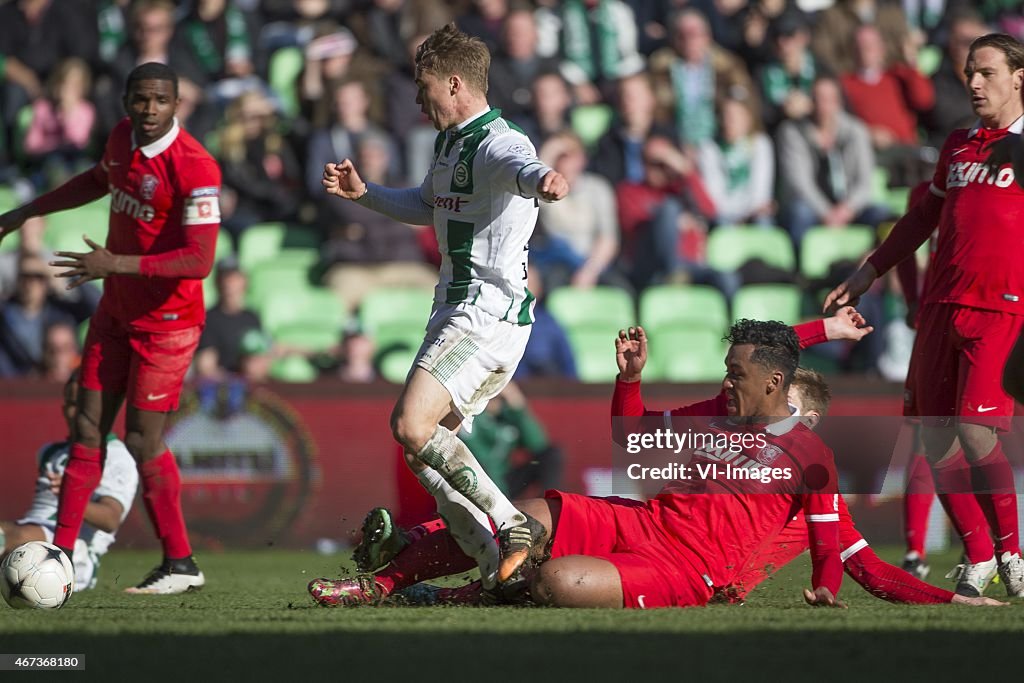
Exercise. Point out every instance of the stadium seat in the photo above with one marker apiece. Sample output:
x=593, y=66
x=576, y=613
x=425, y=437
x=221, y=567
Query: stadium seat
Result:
x=8, y=198
x=273, y=276
x=729, y=247
x=394, y=364
x=64, y=229
x=292, y=306
x=687, y=354
x=594, y=351
x=929, y=57
x=265, y=241
x=768, y=302
x=222, y=251
x=388, y=309
x=676, y=305
x=879, y=184
x=293, y=369
x=897, y=198
x=608, y=308
x=285, y=66
x=822, y=246
x=308, y=335
x=590, y=122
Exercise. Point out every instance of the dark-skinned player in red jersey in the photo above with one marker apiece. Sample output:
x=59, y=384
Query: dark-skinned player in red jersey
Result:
x=164, y=217
x=973, y=311
x=669, y=551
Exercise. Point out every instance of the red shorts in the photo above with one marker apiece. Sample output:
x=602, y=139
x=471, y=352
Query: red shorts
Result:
x=628, y=534
x=959, y=355
x=147, y=367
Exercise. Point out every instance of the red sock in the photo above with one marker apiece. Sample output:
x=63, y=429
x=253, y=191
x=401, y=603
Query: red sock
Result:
x=81, y=477
x=425, y=529
x=953, y=482
x=992, y=478
x=434, y=554
x=917, y=504
x=161, y=492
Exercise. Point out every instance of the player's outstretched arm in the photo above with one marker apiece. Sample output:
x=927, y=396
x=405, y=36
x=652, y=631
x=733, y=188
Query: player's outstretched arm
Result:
x=408, y=205
x=552, y=187
x=82, y=189
x=848, y=292
x=847, y=324
x=822, y=597
x=343, y=180
x=631, y=353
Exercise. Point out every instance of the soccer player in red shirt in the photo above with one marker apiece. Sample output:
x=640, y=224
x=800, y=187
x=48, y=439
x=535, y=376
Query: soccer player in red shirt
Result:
x=973, y=311
x=164, y=217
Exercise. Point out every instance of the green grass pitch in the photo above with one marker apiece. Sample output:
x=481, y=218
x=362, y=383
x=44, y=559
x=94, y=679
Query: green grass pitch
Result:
x=254, y=621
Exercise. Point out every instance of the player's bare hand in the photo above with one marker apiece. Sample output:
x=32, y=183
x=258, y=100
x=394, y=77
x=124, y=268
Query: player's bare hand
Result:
x=631, y=353
x=849, y=292
x=85, y=266
x=13, y=220
x=847, y=324
x=343, y=180
x=55, y=480
x=980, y=601
x=822, y=597
x=553, y=186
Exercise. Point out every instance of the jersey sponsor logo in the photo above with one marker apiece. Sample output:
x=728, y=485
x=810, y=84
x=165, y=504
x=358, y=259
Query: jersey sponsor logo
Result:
x=963, y=173
x=122, y=202
x=205, y=192
x=147, y=188
x=453, y=204
x=202, y=211
x=460, y=176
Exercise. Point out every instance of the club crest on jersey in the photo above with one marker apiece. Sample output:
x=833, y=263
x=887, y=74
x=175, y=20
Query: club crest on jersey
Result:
x=148, y=186
x=460, y=176
x=769, y=454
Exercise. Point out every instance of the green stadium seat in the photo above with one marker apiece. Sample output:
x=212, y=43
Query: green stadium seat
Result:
x=677, y=305
x=897, y=198
x=283, y=71
x=272, y=276
x=8, y=198
x=606, y=308
x=594, y=351
x=929, y=57
x=266, y=241
x=307, y=335
x=822, y=246
x=312, y=305
x=394, y=364
x=293, y=369
x=222, y=251
x=591, y=121
x=879, y=184
x=768, y=302
x=729, y=247
x=687, y=354
x=385, y=310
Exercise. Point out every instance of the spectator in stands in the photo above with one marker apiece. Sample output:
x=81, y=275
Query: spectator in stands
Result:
x=25, y=319
x=57, y=140
x=619, y=152
x=834, y=29
x=31, y=235
x=385, y=26
x=581, y=234
x=330, y=59
x=786, y=80
x=548, y=353
x=738, y=167
x=760, y=21
x=217, y=33
x=952, y=108
x=341, y=139
x=355, y=357
x=112, y=19
x=262, y=177
x=227, y=324
x=691, y=76
x=61, y=354
x=664, y=221
x=888, y=97
x=599, y=43
x=35, y=36
x=516, y=66
x=827, y=167
x=365, y=249
x=484, y=19
x=551, y=104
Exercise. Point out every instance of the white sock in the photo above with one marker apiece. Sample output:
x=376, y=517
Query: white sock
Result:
x=446, y=453
x=467, y=524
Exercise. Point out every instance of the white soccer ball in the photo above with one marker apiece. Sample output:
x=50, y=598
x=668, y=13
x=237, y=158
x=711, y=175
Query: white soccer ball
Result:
x=36, y=575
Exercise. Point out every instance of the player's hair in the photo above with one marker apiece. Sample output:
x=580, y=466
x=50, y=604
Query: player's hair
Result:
x=776, y=346
x=448, y=51
x=151, y=71
x=1005, y=43
x=814, y=391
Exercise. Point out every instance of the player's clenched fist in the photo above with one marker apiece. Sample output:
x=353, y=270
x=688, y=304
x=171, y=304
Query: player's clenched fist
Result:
x=631, y=353
x=552, y=186
x=343, y=180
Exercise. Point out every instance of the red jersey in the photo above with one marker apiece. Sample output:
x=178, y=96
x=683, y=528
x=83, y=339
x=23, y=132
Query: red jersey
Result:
x=158, y=192
x=981, y=228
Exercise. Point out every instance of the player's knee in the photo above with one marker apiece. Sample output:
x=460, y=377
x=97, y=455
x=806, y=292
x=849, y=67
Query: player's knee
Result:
x=976, y=440
x=135, y=443
x=551, y=586
x=412, y=434
x=87, y=431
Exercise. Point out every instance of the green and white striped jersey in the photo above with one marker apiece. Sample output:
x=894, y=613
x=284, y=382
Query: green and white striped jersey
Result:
x=481, y=196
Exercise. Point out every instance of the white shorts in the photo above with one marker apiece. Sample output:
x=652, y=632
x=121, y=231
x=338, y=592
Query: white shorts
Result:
x=472, y=353
x=85, y=561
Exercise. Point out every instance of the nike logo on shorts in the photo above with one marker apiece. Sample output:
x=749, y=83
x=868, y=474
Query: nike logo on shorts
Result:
x=985, y=410
x=155, y=397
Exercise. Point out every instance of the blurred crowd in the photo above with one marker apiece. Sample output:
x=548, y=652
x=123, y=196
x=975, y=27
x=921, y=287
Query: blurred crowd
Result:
x=669, y=118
